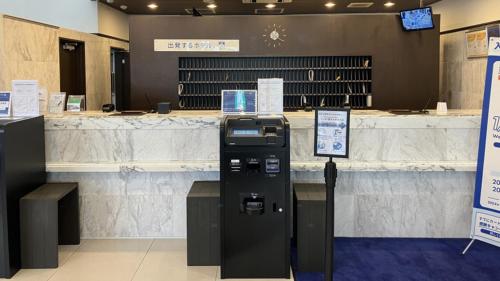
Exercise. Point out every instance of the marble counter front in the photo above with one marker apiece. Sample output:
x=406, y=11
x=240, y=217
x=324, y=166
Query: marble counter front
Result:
x=408, y=176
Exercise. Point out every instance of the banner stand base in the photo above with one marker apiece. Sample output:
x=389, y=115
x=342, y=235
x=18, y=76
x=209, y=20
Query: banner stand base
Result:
x=468, y=247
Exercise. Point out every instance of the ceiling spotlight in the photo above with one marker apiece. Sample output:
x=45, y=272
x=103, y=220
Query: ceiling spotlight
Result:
x=270, y=6
x=211, y=6
x=389, y=4
x=123, y=7
x=110, y=1
x=330, y=5
x=152, y=6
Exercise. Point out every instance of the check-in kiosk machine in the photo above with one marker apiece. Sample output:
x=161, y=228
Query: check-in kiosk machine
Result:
x=255, y=197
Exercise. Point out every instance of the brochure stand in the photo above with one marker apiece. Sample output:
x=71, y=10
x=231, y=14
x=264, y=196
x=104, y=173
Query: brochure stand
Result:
x=331, y=139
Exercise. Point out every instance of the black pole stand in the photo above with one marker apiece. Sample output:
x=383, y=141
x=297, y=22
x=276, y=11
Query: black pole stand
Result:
x=330, y=178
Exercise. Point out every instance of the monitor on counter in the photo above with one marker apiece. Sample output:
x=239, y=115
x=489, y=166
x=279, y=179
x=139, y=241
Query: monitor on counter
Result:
x=417, y=19
x=239, y=102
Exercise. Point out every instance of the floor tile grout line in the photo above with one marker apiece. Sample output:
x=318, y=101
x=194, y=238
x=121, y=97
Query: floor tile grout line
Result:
x=66, y=261
x=142, y=260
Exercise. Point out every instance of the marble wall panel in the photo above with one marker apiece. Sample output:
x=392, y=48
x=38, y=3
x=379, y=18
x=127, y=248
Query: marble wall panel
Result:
x=367, y=204
x=88, y=146
x=462, y=144
x=462, y=78
x=164, y=145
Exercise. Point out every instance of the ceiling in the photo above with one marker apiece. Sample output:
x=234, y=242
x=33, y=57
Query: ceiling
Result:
x=236, y=7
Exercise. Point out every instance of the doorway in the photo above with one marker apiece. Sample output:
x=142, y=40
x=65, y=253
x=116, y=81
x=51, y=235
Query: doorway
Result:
x=120, y=79
x=72, y=67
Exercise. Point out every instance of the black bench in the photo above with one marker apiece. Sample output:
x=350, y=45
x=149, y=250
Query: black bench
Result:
x=49, y=217
x=203, y=228
x=310, y=212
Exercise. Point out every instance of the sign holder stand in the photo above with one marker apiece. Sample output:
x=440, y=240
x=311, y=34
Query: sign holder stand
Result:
x=330, y=179
x=486, y=209
x=331, y=139
x=468, y=246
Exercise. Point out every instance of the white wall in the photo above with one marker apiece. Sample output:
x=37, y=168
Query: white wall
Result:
x=113, y=22
x=463, y=13
x=80, y=15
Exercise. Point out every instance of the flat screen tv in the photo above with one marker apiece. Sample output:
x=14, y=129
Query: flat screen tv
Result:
x=417, y=19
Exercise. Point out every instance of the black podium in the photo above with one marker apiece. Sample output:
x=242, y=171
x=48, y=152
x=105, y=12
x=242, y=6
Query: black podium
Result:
x=22, y=170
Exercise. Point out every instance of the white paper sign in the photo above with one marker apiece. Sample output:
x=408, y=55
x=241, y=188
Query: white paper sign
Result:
x=270, y=96
x=331, y=137
x=25, y=98
x=56, y=103
x=196, y=45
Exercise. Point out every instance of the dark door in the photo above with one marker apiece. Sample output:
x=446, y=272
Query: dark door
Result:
x=72, y=67
x=120, y=79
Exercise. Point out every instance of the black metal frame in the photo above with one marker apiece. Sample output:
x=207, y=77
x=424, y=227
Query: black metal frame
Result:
x=316, y=132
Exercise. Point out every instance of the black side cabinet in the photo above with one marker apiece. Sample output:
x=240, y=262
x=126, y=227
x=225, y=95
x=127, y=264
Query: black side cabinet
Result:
x=22, y=170
x=310, y=212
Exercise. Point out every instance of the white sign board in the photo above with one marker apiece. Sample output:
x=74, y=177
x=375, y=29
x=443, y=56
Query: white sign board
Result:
x=25, y=98
x=196, y=45
x=486, y=216
x=270, y=96
x=331, y=133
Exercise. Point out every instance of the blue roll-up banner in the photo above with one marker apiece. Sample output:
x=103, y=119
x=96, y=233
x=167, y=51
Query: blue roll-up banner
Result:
x=486, y=214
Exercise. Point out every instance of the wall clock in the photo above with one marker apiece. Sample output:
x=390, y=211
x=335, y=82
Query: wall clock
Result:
x=274, y=35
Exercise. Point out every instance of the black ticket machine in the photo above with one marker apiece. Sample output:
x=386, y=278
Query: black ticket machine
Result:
x=255, y=197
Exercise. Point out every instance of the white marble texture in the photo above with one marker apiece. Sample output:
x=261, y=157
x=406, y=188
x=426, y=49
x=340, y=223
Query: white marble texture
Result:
x=408, y=176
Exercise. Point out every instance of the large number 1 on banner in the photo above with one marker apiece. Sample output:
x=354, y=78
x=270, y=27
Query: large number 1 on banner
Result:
x=486, y=213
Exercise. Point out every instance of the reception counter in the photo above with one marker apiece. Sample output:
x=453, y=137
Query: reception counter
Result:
x=407, y=176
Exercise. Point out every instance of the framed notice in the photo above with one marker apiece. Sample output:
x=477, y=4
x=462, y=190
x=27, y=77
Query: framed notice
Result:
x=56, y=103
x=331, y=133
x=76, y=103
x=4, y=104
x=477, y=43
x=25, y=99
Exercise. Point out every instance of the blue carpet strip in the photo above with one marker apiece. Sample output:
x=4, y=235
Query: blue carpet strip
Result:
x=397, y=259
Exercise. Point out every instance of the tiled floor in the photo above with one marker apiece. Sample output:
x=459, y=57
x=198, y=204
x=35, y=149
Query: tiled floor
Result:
x=123, y=260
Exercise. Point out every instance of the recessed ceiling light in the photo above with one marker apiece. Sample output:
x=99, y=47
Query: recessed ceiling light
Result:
x=152, y=6
x=270, y=6
x=389, y=4
x=330, y=5
x=123, y=7
x=211, y=6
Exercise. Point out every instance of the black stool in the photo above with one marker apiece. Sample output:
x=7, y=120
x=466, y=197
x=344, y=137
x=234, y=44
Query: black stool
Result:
x=203, y=227
x=49, y=217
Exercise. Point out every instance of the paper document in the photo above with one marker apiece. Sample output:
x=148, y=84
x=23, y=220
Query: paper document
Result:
x=25, y=98
x=270, y=96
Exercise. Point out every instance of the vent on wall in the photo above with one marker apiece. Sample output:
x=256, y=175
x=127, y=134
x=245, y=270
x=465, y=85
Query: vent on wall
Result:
x=360, y=5
x=202, y=11
x=269, y=11
x=265, y=1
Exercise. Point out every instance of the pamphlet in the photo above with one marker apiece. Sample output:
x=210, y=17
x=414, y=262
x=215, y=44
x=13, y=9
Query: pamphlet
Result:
x=76, y=103
x=270, y=96
x=4, y=104
x=56, y=103
x=25, y=98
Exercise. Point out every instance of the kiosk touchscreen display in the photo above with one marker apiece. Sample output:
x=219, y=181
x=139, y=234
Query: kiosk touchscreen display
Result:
x=239, y=102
